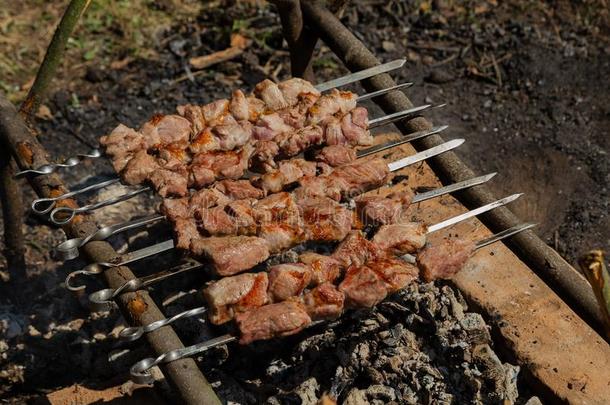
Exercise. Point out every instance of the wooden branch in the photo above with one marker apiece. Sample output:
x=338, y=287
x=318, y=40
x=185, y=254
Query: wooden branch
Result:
x=53, y=57
x=12, y=214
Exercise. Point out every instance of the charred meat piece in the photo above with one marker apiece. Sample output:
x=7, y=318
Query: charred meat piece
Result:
x=336, y=155
x=378, y=210
x=288, y=172
x=271, y=94
x=288, y=280
x=402, y=238
x=396, y=273
x=273, y=320
x=363, y=287
x=194, y=115
x=238, y=189
x=281, y=236
x=231, y=255
x=294, y=142
x=139, y=168
x=354, y=126
x=232, y=134
x=325, y=220
x=294, y=89
x=122, y=141
x=232, y=295
x=185, y=231
x=334, y=102
x=215, y=112
x=363, y=176
x=324, y=302
x=169, y=183
x=323, y=268
x=166, y=129
x=445, y=259
x=356, y=250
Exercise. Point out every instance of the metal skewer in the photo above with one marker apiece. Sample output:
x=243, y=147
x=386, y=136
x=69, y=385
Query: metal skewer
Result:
x=70, y=162
x=68, y=250
x=403, y=139
x=44, y=205
x=140, y=371
x=381, y=92
x=97, y=268
x=63, y=215
x=361, y=75
x=102, y=299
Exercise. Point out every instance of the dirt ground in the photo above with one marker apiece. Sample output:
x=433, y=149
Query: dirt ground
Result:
x=525, y=82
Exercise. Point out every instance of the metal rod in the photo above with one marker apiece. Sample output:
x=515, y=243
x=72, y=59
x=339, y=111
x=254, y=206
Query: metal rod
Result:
x=362, y=74
x=453, y=188
x=401, y=141
x=547, y=263
x=378, y=93
x=70, y=162
x=44, y=205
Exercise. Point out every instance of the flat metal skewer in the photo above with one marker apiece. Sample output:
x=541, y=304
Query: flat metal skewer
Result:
x=70, y=162
x=140, y=373
x=42, y=206
x=361, y=75
x=68, y=249
x=381, y=92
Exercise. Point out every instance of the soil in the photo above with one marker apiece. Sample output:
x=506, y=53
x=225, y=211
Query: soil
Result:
x=525, y=83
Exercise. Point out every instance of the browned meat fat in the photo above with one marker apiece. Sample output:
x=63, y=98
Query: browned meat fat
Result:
x=334, y=102
x=230, y=255
x=363, y=287
x=232, y=295
x=292, y=89
x=336, y=155
x=445, y=259
x=378, y=210
x=280, y=236
x=194, y=115
x=122, y=141
x=238, y=106
x=169, y=183
x=238, y=189
x=323, y=268
x=288, y=280
x=324, y=302
x=273, y=320
x=396, y=273
x=402, y=238
x=325, y=220
x=271, y=94
x=166, y=129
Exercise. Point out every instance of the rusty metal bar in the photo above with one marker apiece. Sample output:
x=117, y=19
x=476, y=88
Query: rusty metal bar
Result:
x=137, y=307
x=570, y=285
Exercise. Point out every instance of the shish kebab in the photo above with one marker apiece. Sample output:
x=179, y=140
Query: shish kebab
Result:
x=230, y=296
x=322, y=87
x=326, y=301
x=268, y=182
x=214, y=248
x=102, y=299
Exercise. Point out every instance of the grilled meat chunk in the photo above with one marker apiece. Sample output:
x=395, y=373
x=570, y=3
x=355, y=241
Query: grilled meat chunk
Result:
x=271, y=94
x=232, y=295
x=363, y=176
x=232, y=134
x=288, y=280
x=378, y=210
x=324, y=302
x=356, y=250
x=204, y=141
x=215, y=112
x=207, y=198
x=363, y=288
x=281, y=236
x=401, y=238
x=231, y=255
x=288, y=172
x=325, y=220
x=166, y=129
x=334, y=102
x=238, y=106
x=238, y=189
x=263, y=157
x=336, y=155
x=174, y=208
x=194, y=115
x=185, y=231
x=396, y=273
x=139, y=168
x=355, y=127
x=445, y=259
x=294, y=142
x=294, y=89
x=272, y=320
x=216, y=221
x=122, y=141
x=269, y=126
x=208, y=167
x=169, y=183
x=323, y=268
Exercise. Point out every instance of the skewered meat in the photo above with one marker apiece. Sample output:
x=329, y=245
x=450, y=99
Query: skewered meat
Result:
x=122, y=142
x=333, y=135
x=232, y=134
x=194, y=115
x=232, y=295
x=174, y=208
x=294, y=89
x=379, y=210
x=362, y=287
x=139, y=168
x=207, y=167
x=243, y=216
x=324, y=302
x=445, y=259
x=209, y=197
x=355, y=127
x=269, y=126
x=204, y=141
x=256, y=107
x=230, y=255
x=238, y=189
x=288, y=172
x=334, y=102
x=263, y=158
x=185, y=231
x=292, y=143
x=396, y=273
x=401, y=238
x=325, y=220
x=238, y=106
x=169, y=183
x=276, y=208
x=281, y=236
x=273, y=320
x=271, y=94
x=363, y=176
x=216, y=221
x=288, y=280
x=166, y=129
x=321, y=186
x=336, y=155
x=215, y=112
x=356, y=250
x=323, y=268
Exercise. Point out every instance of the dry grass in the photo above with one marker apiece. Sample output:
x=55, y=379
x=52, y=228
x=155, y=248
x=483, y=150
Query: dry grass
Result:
x=109, y=30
